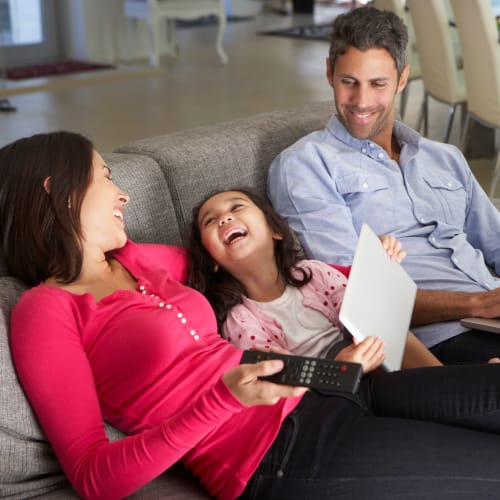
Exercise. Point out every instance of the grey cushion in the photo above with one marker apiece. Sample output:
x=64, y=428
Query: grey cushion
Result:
x=150, y=214
x=232, y=154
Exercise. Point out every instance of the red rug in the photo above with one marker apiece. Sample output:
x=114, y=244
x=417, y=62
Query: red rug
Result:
x=52, y=69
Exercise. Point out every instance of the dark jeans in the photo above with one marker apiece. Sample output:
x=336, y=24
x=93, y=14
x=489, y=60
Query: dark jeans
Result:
x=389, y=440
x=473, y=346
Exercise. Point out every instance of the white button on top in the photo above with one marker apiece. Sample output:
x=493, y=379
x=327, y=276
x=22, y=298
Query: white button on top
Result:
x=363, y=150
x=183, y=321
x=380, y=155
x=142, y=287
x=450, y=184
x=179, y=315
x=365, y=185
x=169, y=306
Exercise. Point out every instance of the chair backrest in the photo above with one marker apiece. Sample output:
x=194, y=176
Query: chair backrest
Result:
x=398, y=7
x=441, y=77
x=479, y=38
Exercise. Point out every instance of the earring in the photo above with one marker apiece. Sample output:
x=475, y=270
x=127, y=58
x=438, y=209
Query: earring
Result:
x=216, y=267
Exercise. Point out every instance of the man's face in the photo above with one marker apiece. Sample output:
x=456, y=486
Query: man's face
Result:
x=365, y=86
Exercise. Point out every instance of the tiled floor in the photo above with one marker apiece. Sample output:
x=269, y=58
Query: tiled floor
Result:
x=264, y=73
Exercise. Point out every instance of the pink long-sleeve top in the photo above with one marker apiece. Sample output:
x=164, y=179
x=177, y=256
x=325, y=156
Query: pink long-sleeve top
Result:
x=148, y=361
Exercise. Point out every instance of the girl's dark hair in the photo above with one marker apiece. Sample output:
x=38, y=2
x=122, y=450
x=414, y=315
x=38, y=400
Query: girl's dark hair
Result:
x=223, y=290
x=40, y=225
x=366, y=28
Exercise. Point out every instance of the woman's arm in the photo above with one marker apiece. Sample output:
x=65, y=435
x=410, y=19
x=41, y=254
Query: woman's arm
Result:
x=57, y=378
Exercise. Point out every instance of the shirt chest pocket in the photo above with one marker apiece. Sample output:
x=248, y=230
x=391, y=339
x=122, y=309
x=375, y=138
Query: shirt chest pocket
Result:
x=448, y=200
x=369, y=199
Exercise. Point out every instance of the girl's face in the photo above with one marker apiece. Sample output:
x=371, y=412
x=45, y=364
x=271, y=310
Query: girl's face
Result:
x=101, y=214
x=234, y=229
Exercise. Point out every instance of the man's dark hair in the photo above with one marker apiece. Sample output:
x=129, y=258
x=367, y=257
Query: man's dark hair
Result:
x=40, y=227
x=222, y=290
x=366, y=28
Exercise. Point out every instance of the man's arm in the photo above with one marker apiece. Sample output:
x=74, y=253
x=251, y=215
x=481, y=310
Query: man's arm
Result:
x=433, y=306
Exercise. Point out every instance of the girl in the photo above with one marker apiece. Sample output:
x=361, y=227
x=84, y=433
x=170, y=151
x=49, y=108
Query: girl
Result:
x=245, y=260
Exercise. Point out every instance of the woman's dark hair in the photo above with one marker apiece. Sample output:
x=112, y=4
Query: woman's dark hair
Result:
x=40, y=220
x=367, y=28
x=222, y=290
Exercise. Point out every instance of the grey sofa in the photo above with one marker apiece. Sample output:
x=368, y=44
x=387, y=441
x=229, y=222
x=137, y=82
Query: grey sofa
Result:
x=165, y=177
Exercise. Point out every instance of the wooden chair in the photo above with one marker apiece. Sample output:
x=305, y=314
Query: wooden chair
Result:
x=155, y=11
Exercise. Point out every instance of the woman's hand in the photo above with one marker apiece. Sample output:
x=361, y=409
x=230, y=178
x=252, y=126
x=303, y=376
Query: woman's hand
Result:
x=243, y=382
x=369, y=353
x=393, y=247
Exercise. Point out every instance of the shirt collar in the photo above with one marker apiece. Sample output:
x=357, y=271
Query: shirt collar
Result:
x=403, y=133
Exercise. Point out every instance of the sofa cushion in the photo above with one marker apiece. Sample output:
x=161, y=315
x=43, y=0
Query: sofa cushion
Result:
x=238, y=153
x=149, y=215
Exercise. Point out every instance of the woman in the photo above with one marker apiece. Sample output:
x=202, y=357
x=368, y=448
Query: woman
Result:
x=109, y=331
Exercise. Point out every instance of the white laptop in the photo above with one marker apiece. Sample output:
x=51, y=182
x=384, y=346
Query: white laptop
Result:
x=488, y=325
x=379, y=298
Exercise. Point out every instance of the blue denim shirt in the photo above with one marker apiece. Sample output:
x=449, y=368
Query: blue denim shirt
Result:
x=328, y=183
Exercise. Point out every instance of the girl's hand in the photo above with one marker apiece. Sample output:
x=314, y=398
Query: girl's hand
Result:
x=393, y=247
x=243, y=382
x=369, y=353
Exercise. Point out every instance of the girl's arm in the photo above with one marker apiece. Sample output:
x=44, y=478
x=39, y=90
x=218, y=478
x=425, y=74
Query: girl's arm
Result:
x=417, y=355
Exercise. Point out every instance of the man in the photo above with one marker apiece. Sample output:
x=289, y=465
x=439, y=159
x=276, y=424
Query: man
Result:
x=367, y=167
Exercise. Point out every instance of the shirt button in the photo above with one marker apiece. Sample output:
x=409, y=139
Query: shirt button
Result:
x=169, y=306
x=142, y=287
x=193, y=332
x=183, y=321
x=363, y=150
x=380, y=155
x=161, y=304
x=449, y=184
x=365, y=185
x=179, y=315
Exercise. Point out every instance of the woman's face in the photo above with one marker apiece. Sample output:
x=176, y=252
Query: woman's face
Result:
x=234, y=229
x=101, y=215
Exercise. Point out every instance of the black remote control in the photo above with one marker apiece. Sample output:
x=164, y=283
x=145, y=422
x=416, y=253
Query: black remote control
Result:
x=316, y=373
